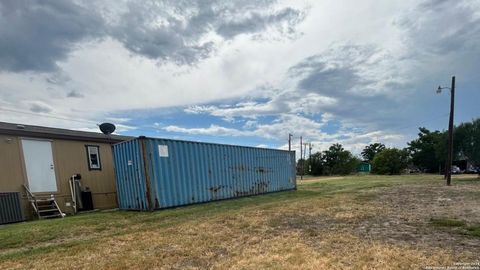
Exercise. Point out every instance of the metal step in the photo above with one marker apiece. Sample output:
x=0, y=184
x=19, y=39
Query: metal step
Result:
x=44, y=207
x=51, y=216
x=48, y=210
x=44, y=198
x=45, y=202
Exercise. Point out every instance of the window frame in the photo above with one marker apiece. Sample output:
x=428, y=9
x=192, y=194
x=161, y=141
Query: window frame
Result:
x=90, y=168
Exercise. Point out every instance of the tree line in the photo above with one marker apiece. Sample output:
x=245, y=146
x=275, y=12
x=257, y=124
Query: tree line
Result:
x=427, y=153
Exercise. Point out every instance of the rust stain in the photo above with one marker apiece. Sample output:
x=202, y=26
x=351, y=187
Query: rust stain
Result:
x=157, y=204
x=240, y=168
x=215, y=189
x=147, y=159
x=257, y=188
x=263, y=170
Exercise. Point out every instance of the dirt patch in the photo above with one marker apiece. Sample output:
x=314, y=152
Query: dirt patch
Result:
x=400, y=215
x=312, y=179
x=407, y=211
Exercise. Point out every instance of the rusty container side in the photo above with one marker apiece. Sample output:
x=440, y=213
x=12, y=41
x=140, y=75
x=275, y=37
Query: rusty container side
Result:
x=130, y=175
x=184, y=172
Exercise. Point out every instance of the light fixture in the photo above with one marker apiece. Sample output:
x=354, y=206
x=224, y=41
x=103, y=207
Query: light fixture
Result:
x=440, y=88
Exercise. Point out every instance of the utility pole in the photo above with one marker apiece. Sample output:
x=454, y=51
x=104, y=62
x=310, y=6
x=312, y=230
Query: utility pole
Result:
x=305, y=149
x=305, y=153
x=448, y=165
x=310, y=150
x=450, y=133
x=301, y=154
x=310, y=158
x=290, y=142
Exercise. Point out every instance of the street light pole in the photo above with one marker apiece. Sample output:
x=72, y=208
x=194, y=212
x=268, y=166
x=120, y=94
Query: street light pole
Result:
x=450, y=133
x=448, y=163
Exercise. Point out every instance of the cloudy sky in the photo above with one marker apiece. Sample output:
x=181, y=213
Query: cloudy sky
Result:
x=241, y=72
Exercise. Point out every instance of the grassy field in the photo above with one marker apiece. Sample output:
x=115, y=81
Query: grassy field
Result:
x=355, y=222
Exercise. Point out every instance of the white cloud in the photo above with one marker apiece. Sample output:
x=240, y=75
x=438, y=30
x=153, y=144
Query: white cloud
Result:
x=284, y=102
x=273, y=69
x=211, y=130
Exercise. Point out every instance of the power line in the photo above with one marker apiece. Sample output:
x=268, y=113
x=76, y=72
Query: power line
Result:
x=49, y=116
x=423, y=122
x=418, y=124
x=95, y=123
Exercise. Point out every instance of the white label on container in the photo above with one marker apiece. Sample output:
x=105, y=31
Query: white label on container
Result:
x=129, y=163
x=163, y=150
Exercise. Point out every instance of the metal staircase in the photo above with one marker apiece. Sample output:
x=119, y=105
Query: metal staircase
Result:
x=44, y=207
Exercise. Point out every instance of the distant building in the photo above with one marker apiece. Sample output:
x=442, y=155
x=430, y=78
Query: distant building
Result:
x=465, y=165
x=364, y=167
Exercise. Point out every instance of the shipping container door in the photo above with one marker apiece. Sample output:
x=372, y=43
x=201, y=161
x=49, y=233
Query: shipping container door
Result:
x=130, y=176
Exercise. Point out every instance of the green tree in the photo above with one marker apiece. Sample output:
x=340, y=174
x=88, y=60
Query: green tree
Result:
x=371, y=150
x=467, y=140
x=429, y=150
x=390, y=161
x=301, y=164
x=337, y=160
x=316, y=161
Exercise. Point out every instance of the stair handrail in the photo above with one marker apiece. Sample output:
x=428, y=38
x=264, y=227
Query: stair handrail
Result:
x=29, y=194
x=73, y=193
x=32, y=200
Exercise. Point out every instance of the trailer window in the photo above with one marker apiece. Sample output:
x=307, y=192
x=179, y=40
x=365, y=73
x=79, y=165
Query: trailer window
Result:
x=93, y=157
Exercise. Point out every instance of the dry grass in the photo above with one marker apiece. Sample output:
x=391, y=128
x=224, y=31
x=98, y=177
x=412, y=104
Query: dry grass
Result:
x=358, y=222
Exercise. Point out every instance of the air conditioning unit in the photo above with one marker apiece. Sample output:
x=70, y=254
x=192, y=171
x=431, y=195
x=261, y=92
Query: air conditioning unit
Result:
x=10, y=208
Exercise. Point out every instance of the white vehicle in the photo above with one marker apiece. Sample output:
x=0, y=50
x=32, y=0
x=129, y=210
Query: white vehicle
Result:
x=456, y=170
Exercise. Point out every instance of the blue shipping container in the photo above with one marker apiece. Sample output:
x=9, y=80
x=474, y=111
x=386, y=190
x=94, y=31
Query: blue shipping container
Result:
x=159, y=173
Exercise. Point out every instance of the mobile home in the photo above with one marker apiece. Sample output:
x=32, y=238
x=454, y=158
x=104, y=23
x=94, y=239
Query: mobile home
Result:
x=42, y=160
